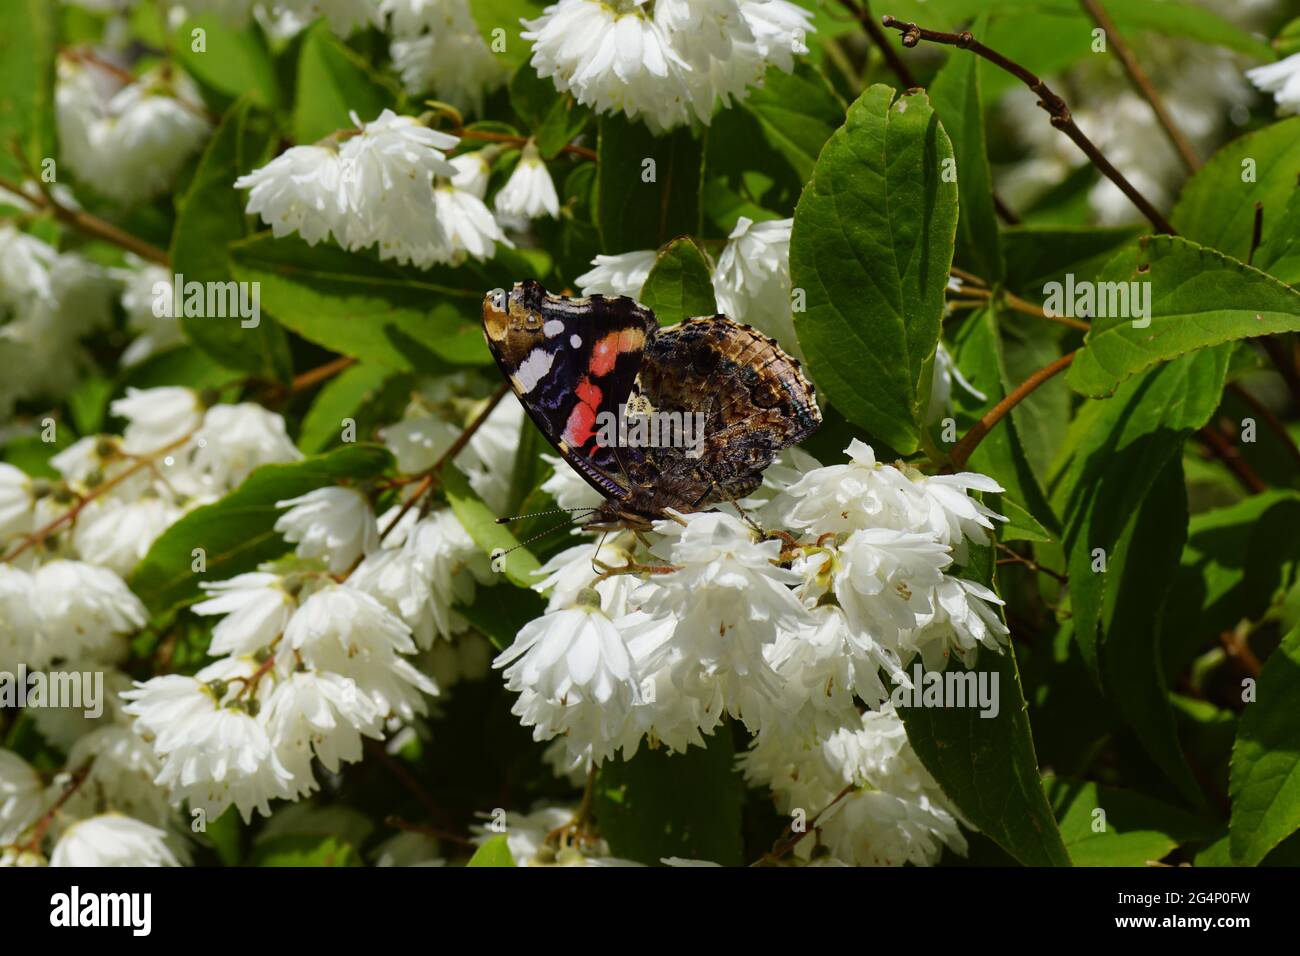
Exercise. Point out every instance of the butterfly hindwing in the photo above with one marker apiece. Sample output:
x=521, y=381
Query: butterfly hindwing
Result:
x=569, y=361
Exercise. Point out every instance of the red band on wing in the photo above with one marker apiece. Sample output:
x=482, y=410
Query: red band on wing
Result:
x=582, y=420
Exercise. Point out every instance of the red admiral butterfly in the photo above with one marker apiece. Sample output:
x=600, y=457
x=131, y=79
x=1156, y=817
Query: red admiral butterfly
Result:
x=574, y=363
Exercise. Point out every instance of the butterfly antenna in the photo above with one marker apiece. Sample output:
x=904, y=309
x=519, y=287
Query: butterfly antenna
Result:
x=542, y=514
x=596, y=554
x=499, y=554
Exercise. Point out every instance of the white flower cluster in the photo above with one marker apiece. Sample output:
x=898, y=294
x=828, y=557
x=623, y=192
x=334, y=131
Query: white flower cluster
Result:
x=48, y=302
x=437, y=48
x=785, y=633
x=344, y=16
x=751, y=278
x=665, y=61
x=1282, y=79
x=390, y=185
x=127, y=140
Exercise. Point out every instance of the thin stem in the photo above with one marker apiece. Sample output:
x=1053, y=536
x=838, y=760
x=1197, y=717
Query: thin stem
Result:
x=1226, y=452
x=862, y=12
x=431, y=475
x=962, y=452
x=91, y=225
x=786, y=845
x=319, y=374
x=1143, y=83
x=1055, y=107
x=487, y=137
x=47, y=818
x=1014, y=557
x=1274, y=423
x=141, y=463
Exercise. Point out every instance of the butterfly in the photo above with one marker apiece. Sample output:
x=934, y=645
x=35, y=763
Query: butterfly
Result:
x=726, y=397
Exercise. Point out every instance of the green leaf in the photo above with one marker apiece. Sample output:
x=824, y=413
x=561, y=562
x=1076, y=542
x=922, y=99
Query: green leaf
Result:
x=955, y=93
x=233, y=62
x=494, y=852
x=210, y=217
x=661, y=804
x=237, y=533
x=1279, y=253
x=348, y=395
x=88, y=404
x=352, y=303
x=481, y=525
x=872, y=244
x=1123, y=502
x=28, y=45
x=1265, y=786
x=1197, y=297
x=501, y=611
x=649, y=187
x=680, y=286
x=1001, y=454
x=333, y=81
x=1237, y=562
x=554, y=117
x=1217, y=207
x=492, y=15
x=1037, y=255
x=1135, y=829
x=797, y=113
x=304, y=850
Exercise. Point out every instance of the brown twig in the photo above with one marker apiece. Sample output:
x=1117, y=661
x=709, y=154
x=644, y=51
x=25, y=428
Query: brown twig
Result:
x=431, y=475
x=1274, y=423
x=47, y=818
x=1052, y=103
x=319, y=374
x=91, y=225
x=1014, y=557
x=140, y=464
x=962, y=452
x=1226, y=452
x=487, y=137
x=1143, y=83
x=784, y=845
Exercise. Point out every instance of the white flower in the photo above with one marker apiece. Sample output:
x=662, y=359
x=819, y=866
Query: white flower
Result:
x=1282, y=79
x=236, y=439
x=418, y=441
x=469, y=225
x=157, y=417
x=257, y=606
x=728, y=601
x=473, y=170
x=18, y=620
x=117, y=533
x=448, y=563
x=575, y=676
x=214, y=752
x=946, y=373
x=489, y=461
x=437, y=48
x=150, y=316
x=529, y=193
x=22, y=796
x=960, y=622
x=127, y=140
x=569, y=489
x=340, y=629
x=322, y=714
x=16, y=502
x=623, y=274
x=574, y=569
x=752, y=278
x=112, y=840
x=526, y=836
x=344, y=16
x=942, y=505
x=299, y=191
x=83, y=610
x=334, y=524
x=885, y=579
x=387, y=178
x=121, y=776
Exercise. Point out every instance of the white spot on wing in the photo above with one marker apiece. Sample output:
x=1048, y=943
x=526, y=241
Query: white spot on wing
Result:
x=575, y=341
x=552, y=328
x=533, y=368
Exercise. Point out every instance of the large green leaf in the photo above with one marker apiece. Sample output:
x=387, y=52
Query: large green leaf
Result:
x=1217, y=207
x=661, y=804
x=493, y=852
x=797, y=113
x=211, y=217
x=1037, y=255
x=395, y=316
x=481, y=524
x=955, y=93
x=680, y=285
x=1197, y=297
x=233, y=62
x=1132, y=830
x=237, y=533
x=301, y=849
x=872, y=245
x=1279, y=253
x=333, y=82
x=1265, y=786
x=494, y=15
x=28, y=44
x=1122, y=499
x=351, y=394
x=986, y=764
x=649, y=187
